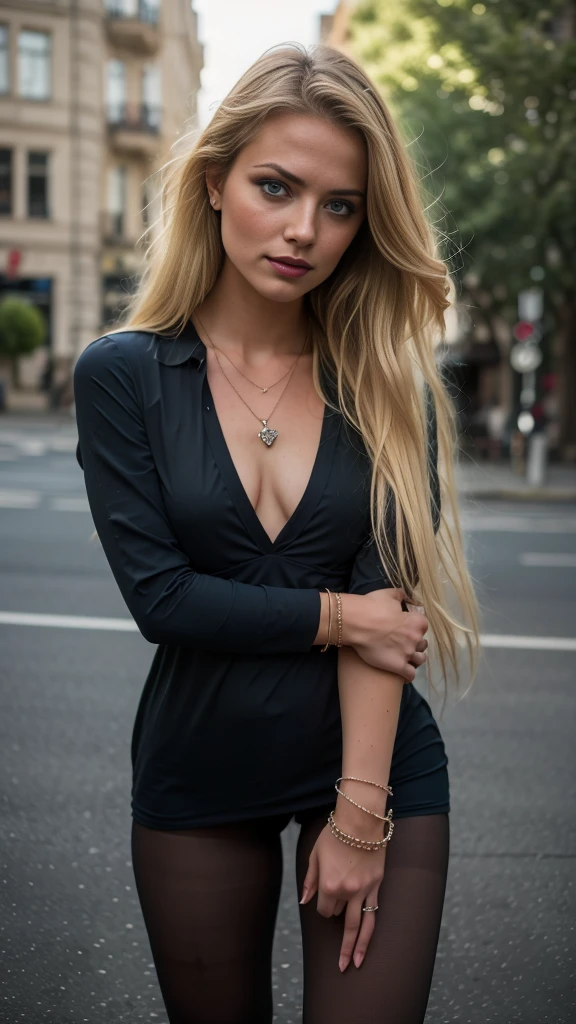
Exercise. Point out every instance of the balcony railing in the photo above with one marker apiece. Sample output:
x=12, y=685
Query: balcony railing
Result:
x=146, y=12
x=134, y=117
x=137, y=30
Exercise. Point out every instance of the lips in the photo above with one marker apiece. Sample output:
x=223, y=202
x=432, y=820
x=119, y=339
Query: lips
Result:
x=291, y=260
x=287, y=266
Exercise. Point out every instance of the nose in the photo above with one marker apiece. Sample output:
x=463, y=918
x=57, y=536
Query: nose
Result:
x=301, y=225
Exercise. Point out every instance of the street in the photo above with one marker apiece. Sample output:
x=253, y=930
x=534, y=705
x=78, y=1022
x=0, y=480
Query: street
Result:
x=73, y=940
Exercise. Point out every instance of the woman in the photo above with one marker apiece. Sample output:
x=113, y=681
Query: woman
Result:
x=259, y=447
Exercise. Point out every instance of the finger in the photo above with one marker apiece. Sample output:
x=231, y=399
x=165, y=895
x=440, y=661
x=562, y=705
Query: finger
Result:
x=339, y=907
x=417, y=660
x=325, y=904
x=310, y=884
x=351, y=925
x=367, y=926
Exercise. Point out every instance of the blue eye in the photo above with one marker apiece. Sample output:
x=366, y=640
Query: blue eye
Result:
x=271, y=183
x=272, y=188
x=345, y=208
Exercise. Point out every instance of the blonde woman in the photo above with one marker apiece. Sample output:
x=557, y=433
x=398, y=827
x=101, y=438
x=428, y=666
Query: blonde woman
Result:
x=259, y=443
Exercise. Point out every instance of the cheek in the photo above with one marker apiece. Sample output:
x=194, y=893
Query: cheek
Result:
x=336, y=241
x=246, y=222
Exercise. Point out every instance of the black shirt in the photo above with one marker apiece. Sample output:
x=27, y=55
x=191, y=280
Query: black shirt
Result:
x=239, y=716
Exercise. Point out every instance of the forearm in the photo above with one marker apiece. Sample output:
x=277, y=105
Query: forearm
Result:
x=369, y=705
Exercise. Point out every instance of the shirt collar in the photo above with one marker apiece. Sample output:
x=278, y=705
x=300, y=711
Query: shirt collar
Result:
x=173, y=351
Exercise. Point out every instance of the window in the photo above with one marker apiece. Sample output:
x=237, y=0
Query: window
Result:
x=4, y=61
x=151, y=97
x=6, y=181
x=145, y=10
x=145, y=204
x=38, y=185
x=148, y=11
x=122, y=8
x=34, y=53
x=116, y=201
x=116, y=91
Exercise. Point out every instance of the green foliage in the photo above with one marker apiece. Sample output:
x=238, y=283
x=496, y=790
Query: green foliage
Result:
x=485, y=94
x=22, y=328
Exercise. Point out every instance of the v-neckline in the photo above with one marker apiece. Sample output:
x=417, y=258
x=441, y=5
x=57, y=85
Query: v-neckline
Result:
x=310, y=496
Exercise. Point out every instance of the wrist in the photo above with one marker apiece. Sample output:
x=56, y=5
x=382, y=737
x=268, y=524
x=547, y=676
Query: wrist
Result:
x=354, y=610
x=358, y=823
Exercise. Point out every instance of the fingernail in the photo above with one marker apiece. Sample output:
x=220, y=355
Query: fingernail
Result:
x=358, y=958
x=304, y=896
x=343, y=963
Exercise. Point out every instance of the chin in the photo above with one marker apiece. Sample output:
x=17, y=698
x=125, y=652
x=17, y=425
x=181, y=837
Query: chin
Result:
x=278, y=291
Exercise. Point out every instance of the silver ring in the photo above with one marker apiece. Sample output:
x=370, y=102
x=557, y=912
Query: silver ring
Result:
x=370, y=908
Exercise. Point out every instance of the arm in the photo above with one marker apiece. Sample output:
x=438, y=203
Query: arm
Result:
x=170, y=602
x=369, y=706
x=370, y=697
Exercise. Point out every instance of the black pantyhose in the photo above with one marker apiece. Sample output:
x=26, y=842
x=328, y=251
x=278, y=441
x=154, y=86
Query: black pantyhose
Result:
x=210, y=896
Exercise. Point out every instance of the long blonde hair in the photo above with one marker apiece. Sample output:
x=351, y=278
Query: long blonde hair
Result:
x=375, y=322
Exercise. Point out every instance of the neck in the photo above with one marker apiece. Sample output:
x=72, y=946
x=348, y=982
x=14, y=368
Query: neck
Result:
x=239, y=320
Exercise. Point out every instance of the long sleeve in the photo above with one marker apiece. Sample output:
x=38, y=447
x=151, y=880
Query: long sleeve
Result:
x=368, y=573
x=169, y=601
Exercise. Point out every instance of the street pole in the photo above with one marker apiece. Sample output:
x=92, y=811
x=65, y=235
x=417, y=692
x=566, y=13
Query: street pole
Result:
x=526, y=357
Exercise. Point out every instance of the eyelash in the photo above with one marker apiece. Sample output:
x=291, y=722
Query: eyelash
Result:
x=274, y=181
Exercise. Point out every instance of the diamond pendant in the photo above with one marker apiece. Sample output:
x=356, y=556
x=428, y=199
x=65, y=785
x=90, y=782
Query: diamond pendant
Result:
x=267, y=434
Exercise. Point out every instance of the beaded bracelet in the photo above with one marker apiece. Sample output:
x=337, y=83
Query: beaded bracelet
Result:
x=367, y=809
x=352, y=778
x=362, y=844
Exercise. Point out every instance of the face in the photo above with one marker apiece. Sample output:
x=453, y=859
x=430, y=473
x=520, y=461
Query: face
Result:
x=295, y=193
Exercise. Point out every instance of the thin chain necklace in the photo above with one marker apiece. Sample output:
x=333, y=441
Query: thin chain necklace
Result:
x=259, y=386
x=267, y=434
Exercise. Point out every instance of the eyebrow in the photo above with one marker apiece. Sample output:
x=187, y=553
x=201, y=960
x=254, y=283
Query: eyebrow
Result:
x=300, y=181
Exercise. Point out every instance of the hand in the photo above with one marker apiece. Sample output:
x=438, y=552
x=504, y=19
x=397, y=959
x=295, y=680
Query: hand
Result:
x=383, y=634
x=345, y=876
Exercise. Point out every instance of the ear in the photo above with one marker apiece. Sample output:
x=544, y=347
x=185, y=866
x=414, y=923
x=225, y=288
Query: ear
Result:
x=214, y=185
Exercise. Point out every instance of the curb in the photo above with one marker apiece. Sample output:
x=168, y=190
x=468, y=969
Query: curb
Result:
x=527, y=494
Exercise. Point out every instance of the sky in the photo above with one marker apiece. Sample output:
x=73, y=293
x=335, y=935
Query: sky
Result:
x=236, y=32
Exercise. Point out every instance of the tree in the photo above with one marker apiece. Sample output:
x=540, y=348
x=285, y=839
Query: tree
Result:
x=22, y=329
x=488, y=90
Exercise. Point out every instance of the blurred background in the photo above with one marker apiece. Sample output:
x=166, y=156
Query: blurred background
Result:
x=93, y=96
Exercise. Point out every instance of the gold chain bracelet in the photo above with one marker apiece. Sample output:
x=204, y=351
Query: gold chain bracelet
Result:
x=362, y=844
x=367, y=809
x=352, y=778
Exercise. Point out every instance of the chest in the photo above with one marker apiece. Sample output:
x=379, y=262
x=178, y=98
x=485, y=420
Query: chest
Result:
x=290, y=515
x=273, y=476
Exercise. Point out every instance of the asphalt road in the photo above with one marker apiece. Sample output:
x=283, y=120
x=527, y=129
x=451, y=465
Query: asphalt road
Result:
x=74, y=947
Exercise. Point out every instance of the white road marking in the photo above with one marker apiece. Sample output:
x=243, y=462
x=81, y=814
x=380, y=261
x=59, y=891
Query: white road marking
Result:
x=67, y=621
x=529, y=643
x=542, y=560
x=33, y=499
x=518, y=524
x=69, y=504
x=533, y=643
x=19, y=499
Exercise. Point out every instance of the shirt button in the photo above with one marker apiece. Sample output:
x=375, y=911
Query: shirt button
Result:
x=208, y=408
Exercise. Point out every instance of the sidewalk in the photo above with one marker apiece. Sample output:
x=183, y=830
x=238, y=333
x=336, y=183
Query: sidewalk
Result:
x=496, y=480
x=474, y=479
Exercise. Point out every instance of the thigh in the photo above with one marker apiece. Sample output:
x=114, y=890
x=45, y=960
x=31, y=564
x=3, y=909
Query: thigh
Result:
x=392, y=985
x=209, y=898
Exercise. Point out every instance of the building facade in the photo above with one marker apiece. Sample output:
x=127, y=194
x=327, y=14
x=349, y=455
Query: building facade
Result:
x=93, y=93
